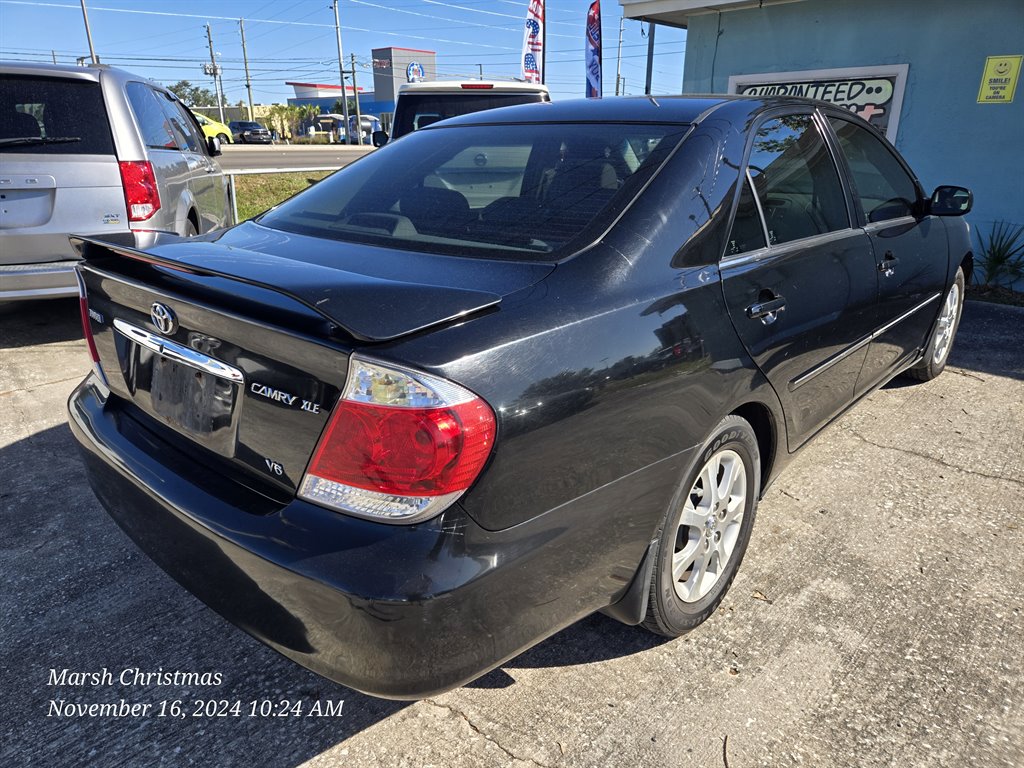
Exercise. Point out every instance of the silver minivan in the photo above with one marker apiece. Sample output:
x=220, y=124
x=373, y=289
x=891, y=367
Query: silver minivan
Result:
x=95, y=151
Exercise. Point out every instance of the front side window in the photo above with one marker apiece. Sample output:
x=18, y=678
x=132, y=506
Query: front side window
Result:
x=797, y=182
x=885, y=190
x=512, y=191
x=185, y=132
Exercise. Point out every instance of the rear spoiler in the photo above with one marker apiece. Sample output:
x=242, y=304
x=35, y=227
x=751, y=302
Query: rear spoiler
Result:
x=367, y=308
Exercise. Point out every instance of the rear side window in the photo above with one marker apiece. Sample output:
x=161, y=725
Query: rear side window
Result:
x=418, y=110
x=885, y=190
x=747, y=232
x=502, y=191
x=153, y=122
x=797, y=182
x=48, y=115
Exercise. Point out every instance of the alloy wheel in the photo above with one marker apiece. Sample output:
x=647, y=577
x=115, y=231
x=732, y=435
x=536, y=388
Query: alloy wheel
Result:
x=947, y=324
x=709, y=526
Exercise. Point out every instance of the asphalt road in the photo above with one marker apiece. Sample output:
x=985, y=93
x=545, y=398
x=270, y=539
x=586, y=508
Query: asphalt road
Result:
x=253, y=156
x=876, y=621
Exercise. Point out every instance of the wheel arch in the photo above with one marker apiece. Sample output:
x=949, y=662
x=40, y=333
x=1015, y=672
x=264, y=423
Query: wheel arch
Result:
x=765, y=426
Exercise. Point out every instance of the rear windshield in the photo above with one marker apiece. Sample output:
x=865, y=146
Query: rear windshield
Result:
x=47, y=115
x=502, y=191
x=418, y=110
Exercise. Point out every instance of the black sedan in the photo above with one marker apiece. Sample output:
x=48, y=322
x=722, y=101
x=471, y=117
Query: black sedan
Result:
x=402, y=431
x=247, y=132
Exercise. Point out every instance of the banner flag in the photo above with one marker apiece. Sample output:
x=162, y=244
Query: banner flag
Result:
x=533, y=43
x=593, y=51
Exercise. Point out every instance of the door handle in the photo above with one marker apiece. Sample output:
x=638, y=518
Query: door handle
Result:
x=767, y=310
x=887, y=266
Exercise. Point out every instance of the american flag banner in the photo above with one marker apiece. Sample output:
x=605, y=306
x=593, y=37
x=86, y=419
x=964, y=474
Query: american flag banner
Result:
x=593, y=50
x=533, y=43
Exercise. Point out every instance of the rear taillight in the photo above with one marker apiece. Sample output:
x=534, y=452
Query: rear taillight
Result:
x=83, y=308
x=400, y=446
x=140, y=192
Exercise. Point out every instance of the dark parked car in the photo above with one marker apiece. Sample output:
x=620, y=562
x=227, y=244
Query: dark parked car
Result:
x=249, y=132
x=401, y=432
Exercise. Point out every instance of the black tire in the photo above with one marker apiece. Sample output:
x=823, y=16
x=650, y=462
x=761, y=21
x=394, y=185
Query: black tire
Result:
x=668, y=613
x=933, y=364
x=223, y=139
x=190, y=229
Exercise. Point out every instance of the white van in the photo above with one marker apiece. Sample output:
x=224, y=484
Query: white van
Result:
x=422, y=104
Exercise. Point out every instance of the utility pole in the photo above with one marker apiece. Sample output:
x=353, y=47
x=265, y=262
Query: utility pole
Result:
x=53, y=53
x=650, y=56
x=359, y=116
x=341, y=72
x=88, y=34
x=618, y=58
x=215, y=71
x=481, y=71
x=245, y=60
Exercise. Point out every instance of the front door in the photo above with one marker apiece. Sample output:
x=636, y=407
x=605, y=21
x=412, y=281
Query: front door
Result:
x=799, y=281
x=910, y=250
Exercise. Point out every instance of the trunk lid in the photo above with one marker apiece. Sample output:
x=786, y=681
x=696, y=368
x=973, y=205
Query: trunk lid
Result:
x=245, y=353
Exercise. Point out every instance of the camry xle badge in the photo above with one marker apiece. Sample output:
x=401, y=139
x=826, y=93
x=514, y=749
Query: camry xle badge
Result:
x=280, y=396
x=163, y=318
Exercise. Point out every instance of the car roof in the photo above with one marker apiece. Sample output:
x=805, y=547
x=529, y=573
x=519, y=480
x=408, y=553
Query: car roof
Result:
x=472, y=87
x=91, y=72
x=627, y=109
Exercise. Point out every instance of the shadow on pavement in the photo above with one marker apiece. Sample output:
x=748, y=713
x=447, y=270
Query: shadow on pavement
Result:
x=25, y=323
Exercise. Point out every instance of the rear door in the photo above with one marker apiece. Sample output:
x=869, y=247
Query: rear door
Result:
x=799, y=281
x=58, y=169
x=207, y=182
x=910, y=251
x=170, y=165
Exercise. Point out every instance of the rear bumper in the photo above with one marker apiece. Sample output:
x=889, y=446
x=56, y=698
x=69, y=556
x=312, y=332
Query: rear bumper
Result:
x=394, y=611
x=38, y=281
x=55, y=278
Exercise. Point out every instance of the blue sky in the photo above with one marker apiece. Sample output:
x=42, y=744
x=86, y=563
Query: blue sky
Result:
x=294, y=39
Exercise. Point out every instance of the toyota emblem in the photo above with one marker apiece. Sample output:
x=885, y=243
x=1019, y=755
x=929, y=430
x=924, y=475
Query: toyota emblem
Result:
x=163, y=318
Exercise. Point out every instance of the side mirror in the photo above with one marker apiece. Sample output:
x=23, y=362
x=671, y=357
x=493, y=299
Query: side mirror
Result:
x=379, y=138
x=950, y=201
x=213, y=146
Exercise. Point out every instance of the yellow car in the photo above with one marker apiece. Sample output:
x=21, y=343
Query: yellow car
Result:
x=213, y=128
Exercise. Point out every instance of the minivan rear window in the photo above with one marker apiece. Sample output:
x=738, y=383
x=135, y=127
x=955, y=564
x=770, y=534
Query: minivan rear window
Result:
x=53, y=116
x=418, y=110
x=521, y=191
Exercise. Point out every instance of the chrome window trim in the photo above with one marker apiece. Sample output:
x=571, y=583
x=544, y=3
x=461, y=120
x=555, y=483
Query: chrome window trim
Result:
x=760, y=210
x=840, y=356
x=178, y=352
x=874, y=226
x=793, y=245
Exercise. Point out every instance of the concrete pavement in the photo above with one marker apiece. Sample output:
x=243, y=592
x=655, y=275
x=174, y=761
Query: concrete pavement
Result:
x=877, y=620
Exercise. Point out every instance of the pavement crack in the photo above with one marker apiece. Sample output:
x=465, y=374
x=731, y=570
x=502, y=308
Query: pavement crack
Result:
x=476, y=729
x=934, y=459
x=42, y=384
x=968, y=375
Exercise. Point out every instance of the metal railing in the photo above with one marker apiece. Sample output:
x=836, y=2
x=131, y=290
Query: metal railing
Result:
x=258, y=171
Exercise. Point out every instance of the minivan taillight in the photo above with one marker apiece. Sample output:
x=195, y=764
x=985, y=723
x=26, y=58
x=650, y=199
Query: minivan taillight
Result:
x=140, y=191
x=400, y=446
